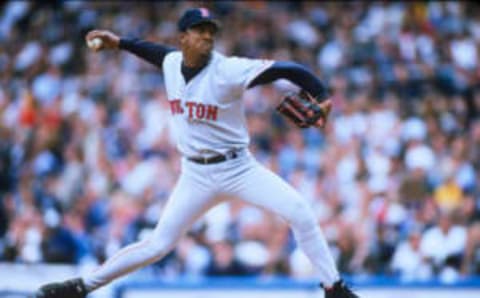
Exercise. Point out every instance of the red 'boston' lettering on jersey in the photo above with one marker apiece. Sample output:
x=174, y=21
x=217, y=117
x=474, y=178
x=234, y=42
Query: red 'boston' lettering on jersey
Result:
x=196, y=110
x=190, y=105
x=175, y=107
x=212, y=112
x=200, y=112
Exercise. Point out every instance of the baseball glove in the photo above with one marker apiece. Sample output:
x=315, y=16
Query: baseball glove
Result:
x=304, y=110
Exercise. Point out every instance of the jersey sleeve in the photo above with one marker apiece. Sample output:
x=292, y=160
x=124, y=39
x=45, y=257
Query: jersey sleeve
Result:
x=239, y=72
x=295, y=73
x=151, y=52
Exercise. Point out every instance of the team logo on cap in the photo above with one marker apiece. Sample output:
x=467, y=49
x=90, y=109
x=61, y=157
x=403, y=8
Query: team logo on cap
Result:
x=205, y=13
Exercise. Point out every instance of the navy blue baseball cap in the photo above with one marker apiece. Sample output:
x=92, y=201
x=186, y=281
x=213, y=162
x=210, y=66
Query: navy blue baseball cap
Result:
x=196, y=16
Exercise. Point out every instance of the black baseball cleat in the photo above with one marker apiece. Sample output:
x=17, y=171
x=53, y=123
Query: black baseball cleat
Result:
x=72, y=288
x=339, y=290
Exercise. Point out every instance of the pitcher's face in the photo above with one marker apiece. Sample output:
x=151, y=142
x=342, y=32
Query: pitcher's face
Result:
x=199, y=39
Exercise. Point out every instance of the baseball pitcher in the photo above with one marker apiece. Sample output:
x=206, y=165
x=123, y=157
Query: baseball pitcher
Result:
x=204, y=89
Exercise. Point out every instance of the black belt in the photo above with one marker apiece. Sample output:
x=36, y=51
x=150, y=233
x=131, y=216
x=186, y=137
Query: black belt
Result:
x=214, y=159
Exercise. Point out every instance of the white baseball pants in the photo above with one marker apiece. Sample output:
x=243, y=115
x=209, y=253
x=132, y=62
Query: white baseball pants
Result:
x=197, y=191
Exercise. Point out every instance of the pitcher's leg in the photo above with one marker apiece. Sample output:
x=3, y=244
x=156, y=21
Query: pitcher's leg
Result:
x=186, y=204
x=263, y=188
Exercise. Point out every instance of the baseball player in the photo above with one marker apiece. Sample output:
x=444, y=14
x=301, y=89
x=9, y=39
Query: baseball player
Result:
x=204, y=89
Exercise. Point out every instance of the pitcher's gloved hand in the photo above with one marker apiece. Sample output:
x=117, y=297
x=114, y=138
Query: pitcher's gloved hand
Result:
x=304, y=110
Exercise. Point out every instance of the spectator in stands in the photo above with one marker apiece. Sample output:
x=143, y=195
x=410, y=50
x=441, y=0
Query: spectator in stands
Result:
x=224, y=261
x=443, y=245
x=408, y=261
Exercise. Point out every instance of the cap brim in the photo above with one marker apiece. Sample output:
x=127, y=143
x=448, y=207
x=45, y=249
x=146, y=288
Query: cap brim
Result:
x=214, y=22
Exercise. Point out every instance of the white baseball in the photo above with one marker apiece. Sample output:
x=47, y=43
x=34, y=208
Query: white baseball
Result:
x=95, y=43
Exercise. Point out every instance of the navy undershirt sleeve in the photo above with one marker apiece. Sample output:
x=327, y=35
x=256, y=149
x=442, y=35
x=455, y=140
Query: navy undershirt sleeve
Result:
x=295, y=73
x=149, y=51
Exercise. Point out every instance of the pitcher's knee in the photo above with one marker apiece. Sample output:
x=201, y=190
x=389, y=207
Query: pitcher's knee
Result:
x=302, y=218
x=158, y=248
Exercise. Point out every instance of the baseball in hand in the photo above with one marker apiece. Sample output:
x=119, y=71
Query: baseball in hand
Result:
x=94, y=43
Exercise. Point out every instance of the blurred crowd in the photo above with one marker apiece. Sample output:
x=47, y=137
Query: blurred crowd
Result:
x=87, y=159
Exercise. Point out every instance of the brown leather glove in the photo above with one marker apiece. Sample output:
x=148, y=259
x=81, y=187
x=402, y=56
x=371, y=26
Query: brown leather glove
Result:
x=304, y=110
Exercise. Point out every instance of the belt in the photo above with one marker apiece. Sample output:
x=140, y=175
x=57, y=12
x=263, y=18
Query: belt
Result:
x=214, y=159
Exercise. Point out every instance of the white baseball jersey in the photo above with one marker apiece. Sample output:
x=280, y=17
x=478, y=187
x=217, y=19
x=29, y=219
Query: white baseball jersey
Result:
x=208, y=111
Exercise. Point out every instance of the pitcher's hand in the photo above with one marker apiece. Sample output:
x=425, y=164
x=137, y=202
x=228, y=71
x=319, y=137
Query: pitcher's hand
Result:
x=109, y=39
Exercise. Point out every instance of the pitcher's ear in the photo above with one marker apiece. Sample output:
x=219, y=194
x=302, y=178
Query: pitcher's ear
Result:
x=181, y=37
